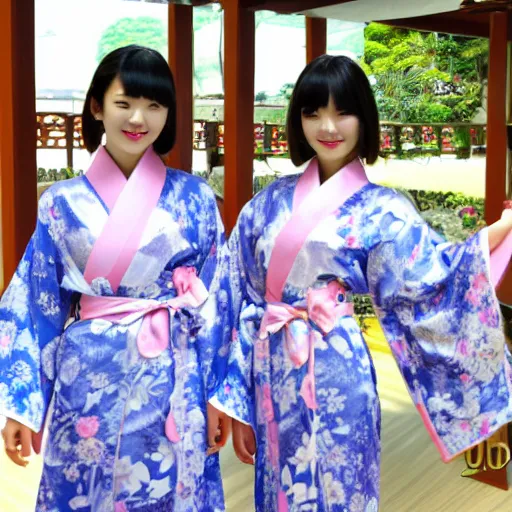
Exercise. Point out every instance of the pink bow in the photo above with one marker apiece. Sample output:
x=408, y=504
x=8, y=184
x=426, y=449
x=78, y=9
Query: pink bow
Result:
x=323, y=306
x=154, y=334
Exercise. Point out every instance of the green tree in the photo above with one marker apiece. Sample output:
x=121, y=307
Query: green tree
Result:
x=143, y=30
x=407, y=64
x=261, y=97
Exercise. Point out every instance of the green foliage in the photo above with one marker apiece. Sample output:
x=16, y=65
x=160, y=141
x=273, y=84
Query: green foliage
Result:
x=144, y=30
x=407, y=64
x=261, y=97
x=374, y=50
x=50, y=175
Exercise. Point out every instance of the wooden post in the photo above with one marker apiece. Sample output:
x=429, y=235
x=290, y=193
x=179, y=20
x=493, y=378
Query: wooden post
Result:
x=496, y=162
x=18, y=141
x=316, y=38
x=181, y=61
x=70, y=139
x=239, y=109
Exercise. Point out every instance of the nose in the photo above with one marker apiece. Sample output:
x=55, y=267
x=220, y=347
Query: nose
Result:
x=137, y=117
x=328, y=124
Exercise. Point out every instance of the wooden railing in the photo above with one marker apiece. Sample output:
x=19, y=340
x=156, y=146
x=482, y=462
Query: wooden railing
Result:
x=64, y=131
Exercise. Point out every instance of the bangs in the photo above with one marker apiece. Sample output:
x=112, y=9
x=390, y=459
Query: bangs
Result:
x=322, y=82
x=146, y=74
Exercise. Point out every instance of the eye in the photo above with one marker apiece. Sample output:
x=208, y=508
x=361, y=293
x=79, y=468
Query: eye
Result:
x=309, y=115
x=155, y=106
x=122, y=104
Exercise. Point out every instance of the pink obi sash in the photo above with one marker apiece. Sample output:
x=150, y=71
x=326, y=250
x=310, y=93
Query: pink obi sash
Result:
x=323, y=307
x=155, y=331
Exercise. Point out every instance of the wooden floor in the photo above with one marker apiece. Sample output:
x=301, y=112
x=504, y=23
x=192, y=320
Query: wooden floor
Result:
x=413, y=477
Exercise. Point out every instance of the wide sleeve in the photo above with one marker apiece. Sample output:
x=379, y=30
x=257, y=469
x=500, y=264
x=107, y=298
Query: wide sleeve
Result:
x=437, y=306
x=236, y=395
x=33, y=311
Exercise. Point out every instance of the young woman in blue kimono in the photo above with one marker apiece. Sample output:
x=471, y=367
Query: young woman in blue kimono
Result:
x=301, y=384
x=117, y=315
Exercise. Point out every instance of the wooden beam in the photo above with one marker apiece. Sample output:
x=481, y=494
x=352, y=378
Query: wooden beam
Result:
x=289, y=6
x=238, y=109
x=497, y=147
x=18, y=167
x=181, y=61
x=496, y=161
x=316, y=38
x=445, y=23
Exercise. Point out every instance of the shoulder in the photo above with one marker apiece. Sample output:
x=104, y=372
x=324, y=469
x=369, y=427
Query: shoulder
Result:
x=190, y=184
x=60, y=192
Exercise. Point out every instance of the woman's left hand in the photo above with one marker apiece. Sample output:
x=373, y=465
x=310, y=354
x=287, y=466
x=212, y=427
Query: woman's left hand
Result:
x=219, y=428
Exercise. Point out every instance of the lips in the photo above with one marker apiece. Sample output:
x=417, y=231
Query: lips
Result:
x=331, y=144
x=135, y=136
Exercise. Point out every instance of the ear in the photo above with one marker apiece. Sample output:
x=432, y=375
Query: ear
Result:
x=96, y=110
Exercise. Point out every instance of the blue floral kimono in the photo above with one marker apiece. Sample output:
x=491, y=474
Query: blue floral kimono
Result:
x=300, y=372
x=127, y=426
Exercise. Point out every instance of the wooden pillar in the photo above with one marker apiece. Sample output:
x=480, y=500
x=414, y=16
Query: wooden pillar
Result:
x=316, y=38
x=496, y=161
x=238, y=108
x=181, y=61
x=18, y=167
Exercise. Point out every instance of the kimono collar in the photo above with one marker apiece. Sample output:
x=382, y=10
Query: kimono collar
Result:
x=312, y=202
x=130, y=203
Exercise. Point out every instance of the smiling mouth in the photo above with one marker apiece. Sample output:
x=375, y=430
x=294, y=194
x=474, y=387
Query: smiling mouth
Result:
x=134, y=135
x=331, y=144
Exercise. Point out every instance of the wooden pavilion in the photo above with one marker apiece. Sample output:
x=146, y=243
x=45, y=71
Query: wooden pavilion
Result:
x=18, y=203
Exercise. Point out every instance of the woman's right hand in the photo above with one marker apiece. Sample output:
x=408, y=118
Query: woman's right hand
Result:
x=244, y=442
x=18, y=441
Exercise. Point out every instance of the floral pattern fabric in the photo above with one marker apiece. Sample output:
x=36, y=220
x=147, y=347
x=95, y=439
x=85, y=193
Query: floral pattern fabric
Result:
x=438, y=310
x=106, y=447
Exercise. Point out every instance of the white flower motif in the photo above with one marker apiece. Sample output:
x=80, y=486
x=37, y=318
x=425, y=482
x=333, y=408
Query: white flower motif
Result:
x=305, y=454
x=334, y=490
x=164, y=455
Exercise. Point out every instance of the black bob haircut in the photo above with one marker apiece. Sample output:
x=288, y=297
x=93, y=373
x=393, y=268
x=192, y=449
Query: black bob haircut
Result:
x=143, y=73
x=344, y=80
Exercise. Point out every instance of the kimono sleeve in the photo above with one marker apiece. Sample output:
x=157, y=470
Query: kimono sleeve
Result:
x=212, y=337
x=437, y=306
x=33, y=311
x=236, y=395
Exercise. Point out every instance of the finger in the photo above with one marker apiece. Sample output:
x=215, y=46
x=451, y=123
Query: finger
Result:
x=224, y=431
x=26, y=442
x=37, y=441
x=241, y=450
x=250, y=443
x=213, y=425
x=16, y=458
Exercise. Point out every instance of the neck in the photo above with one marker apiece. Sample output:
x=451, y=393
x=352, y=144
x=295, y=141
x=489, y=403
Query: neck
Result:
x=331, y=167
x=124, y=161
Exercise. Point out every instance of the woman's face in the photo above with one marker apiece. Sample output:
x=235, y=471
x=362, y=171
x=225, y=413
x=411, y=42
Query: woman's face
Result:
x=131, y=124
x=333, y=134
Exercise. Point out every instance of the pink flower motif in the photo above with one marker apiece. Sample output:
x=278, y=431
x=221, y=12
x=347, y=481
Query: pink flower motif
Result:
x=5, y=341
x=266, y=402
x=484, y=429
x=488, y=317
x=351, y=220
x=465, y=378
x=472, y=297
x=414, y=254
x=465, y=426
x=87, y=426
x=351, y=240
x=479, y=282
x=227, y=389
x=213, y=249
x=273, y=443
x=120, y=507
x=463, y=347
x=234, y=335
x=260, y=349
